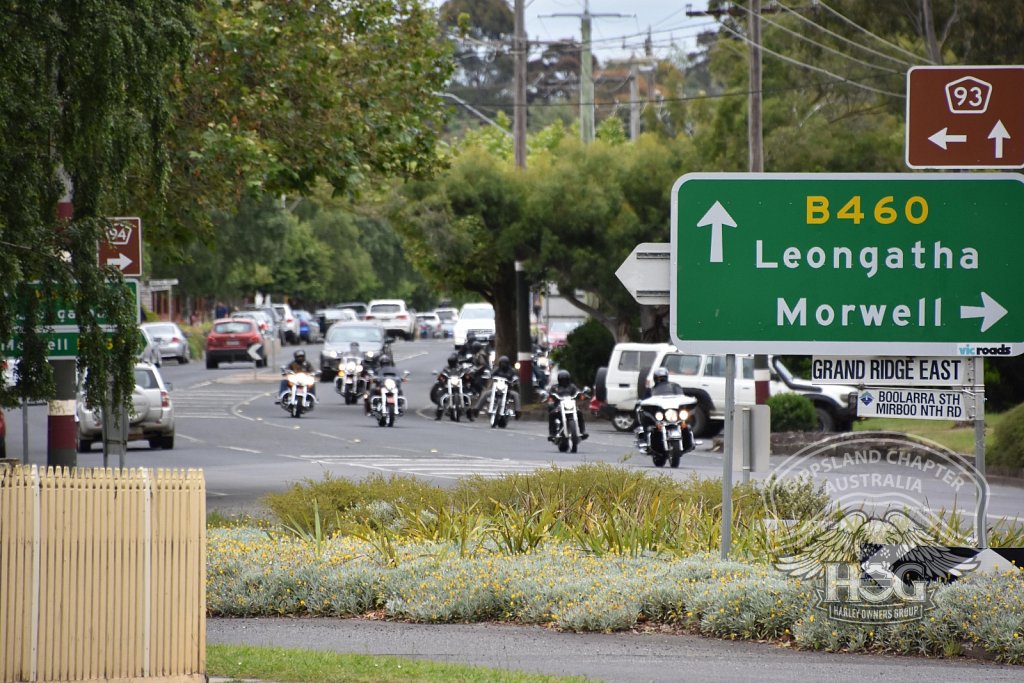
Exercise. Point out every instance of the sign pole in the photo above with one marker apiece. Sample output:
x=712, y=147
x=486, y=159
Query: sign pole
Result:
x=981, y=523
x=727, y=446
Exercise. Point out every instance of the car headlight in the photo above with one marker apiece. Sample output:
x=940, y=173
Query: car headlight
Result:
x=672, y=415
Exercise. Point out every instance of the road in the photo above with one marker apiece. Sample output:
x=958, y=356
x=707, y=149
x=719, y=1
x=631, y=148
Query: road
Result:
x=228, y=425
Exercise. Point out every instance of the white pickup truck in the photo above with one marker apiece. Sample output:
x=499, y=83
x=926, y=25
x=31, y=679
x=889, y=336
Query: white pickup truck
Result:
x=631, y=366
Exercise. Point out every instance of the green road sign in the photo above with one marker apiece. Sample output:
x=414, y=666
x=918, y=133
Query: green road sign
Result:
x=848, y=264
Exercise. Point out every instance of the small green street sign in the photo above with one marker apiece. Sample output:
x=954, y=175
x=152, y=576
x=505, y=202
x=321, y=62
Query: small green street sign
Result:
x=848, y=264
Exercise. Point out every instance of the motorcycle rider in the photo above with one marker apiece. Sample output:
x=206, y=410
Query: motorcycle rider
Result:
x=481, y=361
x=562, y=388
x=435, y=392
x=298, y=364
x=374, y=383
x=505, y=370
x=662, y=387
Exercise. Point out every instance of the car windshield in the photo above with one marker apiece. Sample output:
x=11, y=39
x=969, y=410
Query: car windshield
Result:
x=160, y=329
x=347, y=335
x=385, y=308
x=233, y=327
x=446, y=316
x=478, y=314
x=564, y=326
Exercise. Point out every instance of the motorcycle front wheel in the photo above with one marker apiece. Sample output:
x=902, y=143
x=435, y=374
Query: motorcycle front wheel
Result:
x=677, y=454
x=296, y=409
x=574, y=435
x=391, y=419
x=659, y=459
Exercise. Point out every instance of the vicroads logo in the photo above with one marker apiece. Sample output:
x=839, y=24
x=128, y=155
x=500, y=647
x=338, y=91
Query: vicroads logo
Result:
x=980, y=350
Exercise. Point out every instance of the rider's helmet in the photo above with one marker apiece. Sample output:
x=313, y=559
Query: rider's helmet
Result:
x=476, y=347
x=385, y=360
x=564, y=378
x=300, y=356
x=504, y=363
x=660, y=376
x=453, y=360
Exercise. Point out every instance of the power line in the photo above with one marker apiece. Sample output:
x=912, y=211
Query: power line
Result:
x=797, y=62
x=876, y=37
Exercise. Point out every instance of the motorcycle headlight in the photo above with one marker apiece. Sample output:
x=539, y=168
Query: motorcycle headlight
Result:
x=672, y=415
x=330, y=354
x=389, y=384
x=659, y=415
x=359, y=368
x=684, y=415
x=350, y=366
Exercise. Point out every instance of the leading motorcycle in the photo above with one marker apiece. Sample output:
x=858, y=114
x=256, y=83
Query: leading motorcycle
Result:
x=567, y=421
x=452, y=398
x=297, y=397
x=664, y=433
x=500, y=404
x=351, y=380
x=386, y=401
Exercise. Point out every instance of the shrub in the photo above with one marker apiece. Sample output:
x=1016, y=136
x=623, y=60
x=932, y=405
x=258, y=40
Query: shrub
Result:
x=587, y=348
x=792, y=413
x=1008, y=440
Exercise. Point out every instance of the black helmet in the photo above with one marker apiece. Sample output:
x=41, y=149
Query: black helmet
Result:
x=385, y=360
x=504, y=363
x=477, y=346
x=564, y=378
x=660, y=375
x=300, y=355
x=470, y=336
x=453, y=360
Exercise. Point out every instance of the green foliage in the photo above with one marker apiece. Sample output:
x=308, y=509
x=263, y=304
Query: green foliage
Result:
x=587, y=348
x=1008, y=441
x=792, y=413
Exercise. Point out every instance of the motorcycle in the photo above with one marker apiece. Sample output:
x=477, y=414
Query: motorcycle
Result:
x=386, y=400
x=297, y=397
x=500, y=405
x=452, y=400
x=351, y=380
x=664, y=433
x=567, y=422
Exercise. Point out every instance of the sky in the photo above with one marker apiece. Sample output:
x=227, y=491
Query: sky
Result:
x=615, y=37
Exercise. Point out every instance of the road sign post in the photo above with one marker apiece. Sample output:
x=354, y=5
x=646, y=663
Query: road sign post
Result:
x=848, y=264
x=965, y=117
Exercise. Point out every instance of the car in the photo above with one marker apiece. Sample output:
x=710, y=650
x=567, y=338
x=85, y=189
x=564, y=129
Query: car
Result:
x=429, y=325
x=170, y=341
x=394, y=316
x=477, y=318
x=368, y=334
x=275, y=326
x=309, y=327
x=151, y=417
x=230, y=339
x=266, y=323
x=559, y=329
x=289, y=323
x=358, y=307
x=329, y=316
x=149, y=350
x=448, y=316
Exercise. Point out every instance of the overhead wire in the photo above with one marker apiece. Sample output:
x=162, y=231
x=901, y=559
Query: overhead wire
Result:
x=860, y=28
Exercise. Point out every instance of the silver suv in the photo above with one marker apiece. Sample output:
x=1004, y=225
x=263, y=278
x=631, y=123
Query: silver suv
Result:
x=151, y=417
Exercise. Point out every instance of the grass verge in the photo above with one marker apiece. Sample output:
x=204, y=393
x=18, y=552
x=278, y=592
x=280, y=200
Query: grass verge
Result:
x=957, y=436
x=297, y=666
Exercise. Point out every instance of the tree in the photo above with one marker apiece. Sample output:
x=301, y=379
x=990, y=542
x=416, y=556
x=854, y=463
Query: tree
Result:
x=84, y=91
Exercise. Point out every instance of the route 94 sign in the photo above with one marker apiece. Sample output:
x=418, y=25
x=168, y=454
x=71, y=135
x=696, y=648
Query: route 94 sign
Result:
x=848, y=264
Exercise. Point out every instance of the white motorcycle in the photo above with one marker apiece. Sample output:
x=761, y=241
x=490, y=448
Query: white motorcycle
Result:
x=500, y=404
x=567, y=422
x=351, y=381
x=297, y=397
x=664, y=433
x=452, y=399
x=386, y=400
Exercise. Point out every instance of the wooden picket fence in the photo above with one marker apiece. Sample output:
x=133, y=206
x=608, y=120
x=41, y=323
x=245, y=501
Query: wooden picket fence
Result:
x=102, y=574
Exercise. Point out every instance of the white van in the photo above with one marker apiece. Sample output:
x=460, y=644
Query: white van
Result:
x=703, y=377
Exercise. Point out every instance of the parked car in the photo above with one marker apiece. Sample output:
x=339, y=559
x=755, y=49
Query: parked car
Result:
x=370, y=335
x=289, y=323
x=394, y=316
x=265, y=323
x=477, y=318
x=151, y=417
x=448, y=316
x=309, y=327
x=358, y=307
x=428, y=325
x=170, y=341
x=230, y=339
x=274, y=326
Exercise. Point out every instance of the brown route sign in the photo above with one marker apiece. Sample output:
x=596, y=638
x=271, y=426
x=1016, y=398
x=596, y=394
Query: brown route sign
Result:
x=122, y=247
x=965, y=117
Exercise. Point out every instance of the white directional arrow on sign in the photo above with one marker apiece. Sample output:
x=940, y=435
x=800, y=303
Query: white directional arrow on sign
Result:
x=999, y=133
x=121, y=262
x=254, y=351
x=716, y=217
x=943, y=137
x=990, y=312
x=645, y=273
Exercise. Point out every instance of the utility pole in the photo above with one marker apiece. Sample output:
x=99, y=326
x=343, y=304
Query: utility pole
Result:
x=61, y=432
x=586, y=70
x=524, y=348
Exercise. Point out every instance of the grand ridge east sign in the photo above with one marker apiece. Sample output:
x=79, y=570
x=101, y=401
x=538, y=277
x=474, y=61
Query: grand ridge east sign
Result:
x=848, y=264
